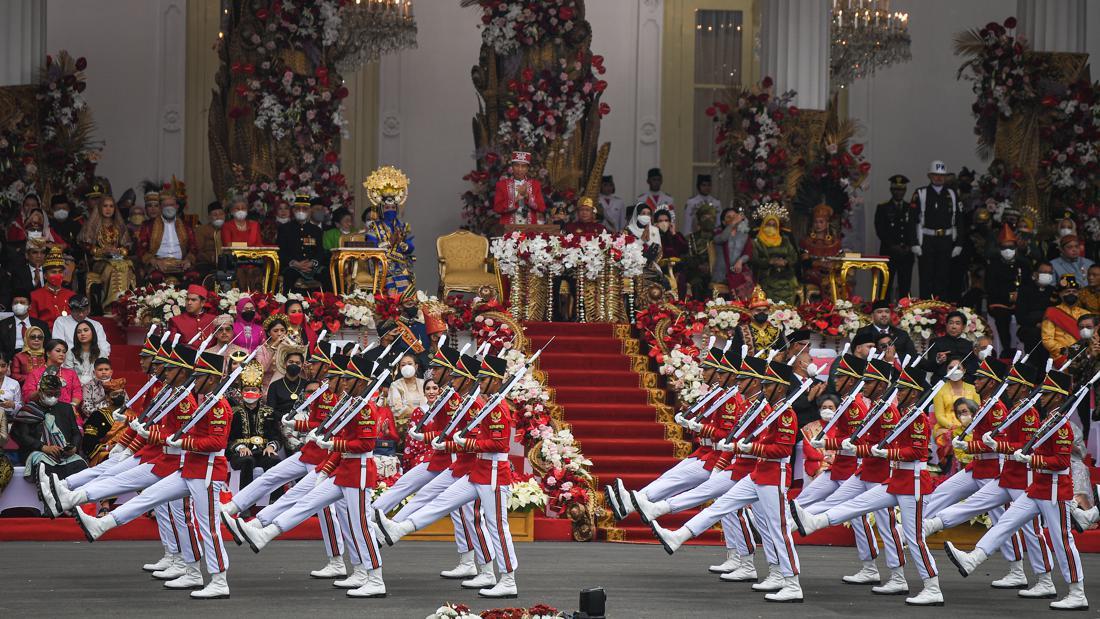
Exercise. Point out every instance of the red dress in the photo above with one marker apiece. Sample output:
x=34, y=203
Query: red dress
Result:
x=48, y=305
x=250, y=236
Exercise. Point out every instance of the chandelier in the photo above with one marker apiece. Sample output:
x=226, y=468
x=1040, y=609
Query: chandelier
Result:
x=370, y=29
x=866, y=36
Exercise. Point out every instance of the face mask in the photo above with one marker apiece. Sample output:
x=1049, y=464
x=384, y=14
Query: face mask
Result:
x=61, y=215
x=408, y=371
x=55, y=279
x=217, y=223
x=301, y=216
x=1069, y=299
x=1065, y=231
x=318, y=217
x=240, y=215
x=251, y=397
x=20, y=309
x=281, y=220
x=663, y=226
x=985, y=352
x=827, y=413
x=118, y=400
x=643, y=220
x=248, y=315
x=955, y=375
x=389, y=216
x=48, y=400
x=293, y=370
x=760, y=317
x=296, y=319
x=34, y=234
x=1045, y=279
x=1008, y=253
x=1086, y=333
x=169, y=212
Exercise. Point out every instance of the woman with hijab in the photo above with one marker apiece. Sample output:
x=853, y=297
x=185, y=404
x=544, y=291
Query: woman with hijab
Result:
x=774, y=256
x=641, y=226
x=248, y=332
x=32, y=357
x=732, y=251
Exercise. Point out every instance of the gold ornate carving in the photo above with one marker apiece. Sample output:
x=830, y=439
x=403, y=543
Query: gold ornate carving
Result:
x=270, y=256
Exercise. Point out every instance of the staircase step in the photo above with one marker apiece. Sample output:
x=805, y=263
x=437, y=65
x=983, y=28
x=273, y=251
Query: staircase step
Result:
x=635, y=463
x=595, y=428
x=585, y=361
x=567, y=378
x=578, y=344
x=620, y=446
x=641, y=413
x=593, y=329
x=600, y=394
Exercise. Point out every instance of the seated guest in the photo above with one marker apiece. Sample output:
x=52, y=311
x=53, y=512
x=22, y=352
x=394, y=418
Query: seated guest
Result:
x=248, y=331
x=65, y=326
x=242, y=231
x=101, y=428
x=1059, y=326
x=393, y=234
x=30, y=273
x=343, y=223
x=774, y=257
x=13, y=329
x=944, y=403
x=269, y=225
x=37, y=228
x=94, y=392
x=166, y=245
x=64, y=224
x=149, y=209
x=52, y=300
x=882, y=323
x=254, y=436
x=208, y=238
x=407, y=391
x=585, y=224
x=84, y=353
x=70, y=390
x=298, y=328
x=49, y=443
x=16, y=232
x=732, y=251
x=642, y=228
x=302, y=250
x=1071, y=262
x=1031, y=305
x=950, y=345
x=223, y=335
x=1090, y=295
x=107, y=243
x=275, y=328
x=286, y=393
x=31, y=357
x=673, y=246
x=818, y=245
x=195, y=320
x=11, y=394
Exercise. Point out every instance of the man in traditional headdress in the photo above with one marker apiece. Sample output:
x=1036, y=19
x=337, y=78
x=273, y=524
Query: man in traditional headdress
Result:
x=387, y=190
x=517, y=198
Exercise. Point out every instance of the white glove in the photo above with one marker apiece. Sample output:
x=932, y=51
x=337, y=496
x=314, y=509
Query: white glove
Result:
x=958, y=443
x=416, y=436
x=118, y=417
x=301, y=416
x=987, y=438
x=847, y=444
x=744, y=446
x=321, y=477
x=312, y=436
x=173, y=442
x=289, y=424
x=817, y=443
x=955, y=251
x=1020, y=457
x=724, y=445
x=693, y=425
x=680, y=419
x=916, y=250
x=324, y=444
x=877, y=452
x=439, y=444
x=140, y=429
x=117, y=449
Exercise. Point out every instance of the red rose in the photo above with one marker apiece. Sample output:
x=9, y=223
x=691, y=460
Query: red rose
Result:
x=605, y=109
x=566, y=13
x=1010, y=22
x=857, y=149
x=864, y=168
x=600, y=86
x=528, y=74
x=262, y=14
x=491, y=158
x=512, y=113
x=81, y=63
x=342, y=93
x=1050, y=101
x=331, y=157
x=767, y=82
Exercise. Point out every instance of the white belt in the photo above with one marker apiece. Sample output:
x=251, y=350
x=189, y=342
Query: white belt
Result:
x=847, y=452
x=1053, y=472
x=746, y=457
x=706, y=442
x=987, y=456
x=357, y=456
x=786, y=460
x=172, y=451
x=210, y=456
x=911, y=466
x=495, y=457
x=938, y=231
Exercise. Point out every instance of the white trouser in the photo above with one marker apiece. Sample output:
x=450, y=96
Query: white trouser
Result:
x=822, y=498
x=331, y=532
x=735, y=530
x=770, y=509
x=687, y=474
x=494, y=502
x=994, y=497
x=284, y=472
x=410, y=483
x=131, y=480
x=960, y=486
x=817, y=490
x=113, y=465
x=471, y=532
x=1055, y=515
x=176, y=528
x=204, y=502
x=912, y=521
x=362, y=536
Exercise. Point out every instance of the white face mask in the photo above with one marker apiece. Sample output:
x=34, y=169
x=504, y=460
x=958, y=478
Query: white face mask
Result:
x=663, y=226
x=240, y=215
x=827, y=413
x=1008, y=253
x=49, y=400
x=408, y=371
x=955, y=374
x=643, y=220
x=1065, y=231
x=985, y=352
x=1045, y=279
x=282, y=220
x=1086, y=333
x=169, y=212
x=34, y=234
x=301, y=215
x=20, y=309
x=217, y=223
x=61, y=215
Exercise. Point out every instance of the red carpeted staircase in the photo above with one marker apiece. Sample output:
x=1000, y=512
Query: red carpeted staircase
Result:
x=608, y=409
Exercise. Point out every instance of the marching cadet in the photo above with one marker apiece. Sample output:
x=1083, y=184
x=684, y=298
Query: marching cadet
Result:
x=938, y=239
x=894, y=224
x=1011, y=484
x=489, y=480
x=1048, y=495
x=200, y=472
x=771, y=443
x=903, y=444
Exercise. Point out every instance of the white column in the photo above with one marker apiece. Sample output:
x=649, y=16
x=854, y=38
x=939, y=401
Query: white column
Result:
x=23, y=49
x=794, y=49
x=1053, y=25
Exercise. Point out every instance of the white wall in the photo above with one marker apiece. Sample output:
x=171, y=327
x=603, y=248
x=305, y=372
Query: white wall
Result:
x=136, y=60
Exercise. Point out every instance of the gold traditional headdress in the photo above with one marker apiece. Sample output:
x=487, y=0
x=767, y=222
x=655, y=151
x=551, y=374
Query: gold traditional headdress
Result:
x=278, y=316
x=252, y=375
x=387, y=182
x=772, y=209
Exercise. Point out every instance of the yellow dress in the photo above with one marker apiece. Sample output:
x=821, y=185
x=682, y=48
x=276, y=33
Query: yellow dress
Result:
x=109, y=265
x=944, y=405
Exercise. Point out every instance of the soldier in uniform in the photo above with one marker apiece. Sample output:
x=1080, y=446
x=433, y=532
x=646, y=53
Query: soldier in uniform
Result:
x=612, y=208
x=937, y=238
x=894, y=226
x=301, y=248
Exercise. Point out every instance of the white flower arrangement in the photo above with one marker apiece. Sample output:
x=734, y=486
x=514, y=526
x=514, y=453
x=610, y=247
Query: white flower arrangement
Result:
x=685, y=375
x=917, y=321
x=527, y=496
x=559, y=446
x=852, y=321
x=450, y=611
x=785, y=317
x=719, y=320
x=555, y=255
x=974, y=328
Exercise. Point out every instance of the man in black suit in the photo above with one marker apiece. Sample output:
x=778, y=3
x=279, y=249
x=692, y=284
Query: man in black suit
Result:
x=13, y=327
x=28, y=273
x=881, y=324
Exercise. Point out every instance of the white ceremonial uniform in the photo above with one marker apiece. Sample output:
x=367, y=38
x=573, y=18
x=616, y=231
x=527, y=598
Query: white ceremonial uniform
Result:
x=962, y=485
x=687, y=474
x=686, y=225
x=470, y=530
x=885, y=520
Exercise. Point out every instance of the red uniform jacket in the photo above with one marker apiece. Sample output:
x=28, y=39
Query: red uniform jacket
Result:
x=462, y=463
x=132, y=440
x=506, y=202
x=876, y=470
x=489, y=439
x=1051, y=480
x=353, y=444
x=188, y=326
x=716, y=428
x=773, y=445
x=739, y=464
x=1013, y=473
x=911, y=446
x=844, y=465
x=204, y=445
x=167, y=463
x=48, y=306
x=318, y=413
x=441, y=460
x=987, y=462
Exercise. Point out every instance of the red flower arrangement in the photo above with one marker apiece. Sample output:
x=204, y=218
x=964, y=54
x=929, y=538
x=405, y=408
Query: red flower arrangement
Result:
x=324, y=311
x=563, y=488
x=680, y=331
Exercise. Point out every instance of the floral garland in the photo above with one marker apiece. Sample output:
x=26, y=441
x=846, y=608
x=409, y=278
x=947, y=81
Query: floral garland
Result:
x=834, y=319
x=543, y=254
x=683, y=324
x=1001, y=76
x=549, y=105
x=509, y=24
x=684, y=374
x=452, y=610
x=1073, y=162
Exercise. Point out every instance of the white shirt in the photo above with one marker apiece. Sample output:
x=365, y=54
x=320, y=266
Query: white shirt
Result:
x=614, y=212
x=170, y=242
x=10, y=390
x=657, y=199
x=65, y=326
x=687, y=222
x=20, y=325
